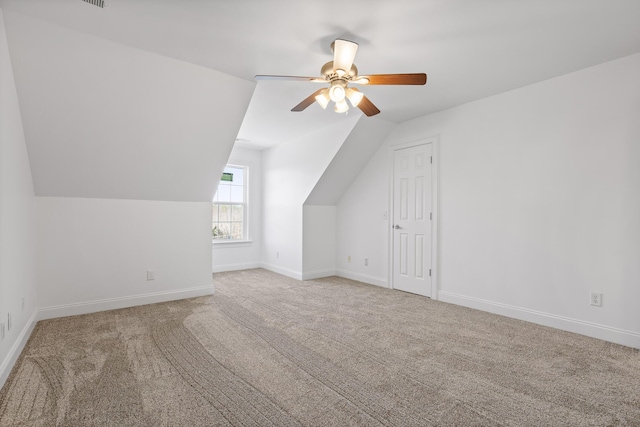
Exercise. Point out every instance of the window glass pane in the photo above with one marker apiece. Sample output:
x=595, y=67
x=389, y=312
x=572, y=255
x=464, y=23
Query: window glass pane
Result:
x=238, y=175
x=224, y=192
x=237, y=194
x=237, y=213
x=214, y=215
x=236, y=230
x=224, y=231
x=224, y=213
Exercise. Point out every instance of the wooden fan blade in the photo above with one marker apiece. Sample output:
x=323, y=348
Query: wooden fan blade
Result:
x=344, y=52
x=307, y=101
x=295, y=78
x=393, y=79
x=367, y=107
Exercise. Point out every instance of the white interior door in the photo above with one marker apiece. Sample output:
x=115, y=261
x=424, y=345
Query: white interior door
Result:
x=412, y=219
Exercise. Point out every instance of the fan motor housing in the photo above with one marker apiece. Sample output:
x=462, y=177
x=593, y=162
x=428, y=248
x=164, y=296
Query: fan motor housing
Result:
x=328, y=74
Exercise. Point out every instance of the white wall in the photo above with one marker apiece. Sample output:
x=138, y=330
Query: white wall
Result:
x=318, y=241
x=290, y=172
x=17, y=220
x=361, y=227
x=93, y=254
x=319, y=214
x=539, y=201
x=237, y=256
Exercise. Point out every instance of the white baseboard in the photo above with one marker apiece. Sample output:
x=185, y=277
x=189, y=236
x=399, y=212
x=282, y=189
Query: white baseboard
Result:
x=282, y=270
x=364, y=278
x=235, y=267
x=121, y=302
x=17, y=347
x=317, y=274
x=594, y=330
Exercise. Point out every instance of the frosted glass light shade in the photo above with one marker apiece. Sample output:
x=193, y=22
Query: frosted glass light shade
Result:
x=354, y=96
x=344, y=52
x=337, y=93
x=341, y=107
x=323, y=98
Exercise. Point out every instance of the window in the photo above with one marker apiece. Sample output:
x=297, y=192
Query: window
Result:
x=230, y=205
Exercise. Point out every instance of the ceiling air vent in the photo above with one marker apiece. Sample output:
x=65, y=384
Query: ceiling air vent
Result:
x=99, y=3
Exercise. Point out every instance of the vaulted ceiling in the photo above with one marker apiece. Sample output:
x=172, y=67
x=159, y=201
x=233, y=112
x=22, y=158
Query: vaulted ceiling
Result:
x=156, y=72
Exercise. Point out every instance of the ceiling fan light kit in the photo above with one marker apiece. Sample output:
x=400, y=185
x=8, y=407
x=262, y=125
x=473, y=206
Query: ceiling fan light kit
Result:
x=323, y=98
x=339, y=73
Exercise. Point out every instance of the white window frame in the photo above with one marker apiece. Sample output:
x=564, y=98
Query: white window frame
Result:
x=245, y=208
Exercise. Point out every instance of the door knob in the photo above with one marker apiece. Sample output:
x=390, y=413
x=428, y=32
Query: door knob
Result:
x=397, y=227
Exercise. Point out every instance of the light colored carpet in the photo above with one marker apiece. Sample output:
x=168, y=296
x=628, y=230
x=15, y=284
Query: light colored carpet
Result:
x=267, y=350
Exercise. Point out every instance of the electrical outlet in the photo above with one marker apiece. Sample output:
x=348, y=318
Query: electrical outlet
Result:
x=366, y=262
x=151, y=275
x=349, y=258
x=596, y=299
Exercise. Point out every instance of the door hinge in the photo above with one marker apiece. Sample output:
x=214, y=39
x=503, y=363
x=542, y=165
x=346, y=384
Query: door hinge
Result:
x=431, y=215
x=429, y=272
x=431, y=159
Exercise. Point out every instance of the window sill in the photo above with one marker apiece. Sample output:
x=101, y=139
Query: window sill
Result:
x=231, y=243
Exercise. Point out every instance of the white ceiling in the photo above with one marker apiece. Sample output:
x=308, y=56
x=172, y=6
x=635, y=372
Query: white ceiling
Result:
x=470, y=49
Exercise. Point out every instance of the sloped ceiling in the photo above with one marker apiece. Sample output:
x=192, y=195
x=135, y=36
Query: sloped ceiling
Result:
x=297, y=125
x=106, y=120
x=144, y=98
x=364, y=140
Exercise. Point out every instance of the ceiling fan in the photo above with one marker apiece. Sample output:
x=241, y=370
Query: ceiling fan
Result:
x=339, y=73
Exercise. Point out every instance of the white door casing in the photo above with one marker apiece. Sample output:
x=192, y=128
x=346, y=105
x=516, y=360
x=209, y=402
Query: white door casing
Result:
x=412, y=219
